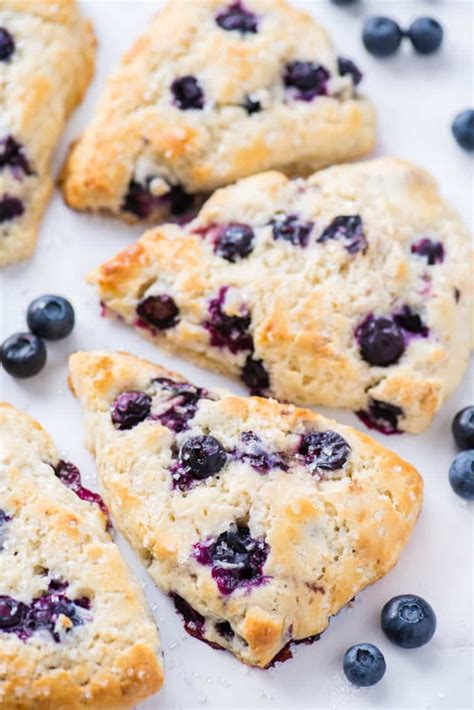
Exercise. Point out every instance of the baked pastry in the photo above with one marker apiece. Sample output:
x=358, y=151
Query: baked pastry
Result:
x=213, y=91
x=351, y=289
x=260, y=519
x=46, y=62
x=74, y=628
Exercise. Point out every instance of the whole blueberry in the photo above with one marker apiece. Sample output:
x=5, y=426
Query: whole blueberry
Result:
x=461, y=474
x=255, y=375
x=408, y=621
x=325, y=450
x=50, y=317
x=7, y=45
x=10, y=611
x=364, y=665
x=23, y=355
x=463, y=428
x=129, y=409
x=381, y=36
x=463, y=129
x=159, y=311
x=187, y=93
x=202, y=456
x=234, y=242
x=381, y=341
x=237, y=18
x=348, y=67
x=426, y=35
x=309, y=78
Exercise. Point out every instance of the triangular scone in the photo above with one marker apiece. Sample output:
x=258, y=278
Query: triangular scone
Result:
x=350, y=289
x=260, y=519
x=74, y=628
x=47, y=55
x=213, y=91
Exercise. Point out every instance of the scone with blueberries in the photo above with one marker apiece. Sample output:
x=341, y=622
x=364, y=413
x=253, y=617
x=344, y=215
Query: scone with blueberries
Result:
x=352, y=288
x=47, y=52
x=213, y=91
x=261, y=520
x=74, y=628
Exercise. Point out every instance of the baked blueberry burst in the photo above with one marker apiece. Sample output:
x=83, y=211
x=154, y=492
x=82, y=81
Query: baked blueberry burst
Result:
x=306, y=79
x=180, y=403
x=70, y=476
x=236, y=17
x=323, y=451
x=251, y=450
x=228, y=331
x=235, y=557
x=349, y=231
x=53, y=611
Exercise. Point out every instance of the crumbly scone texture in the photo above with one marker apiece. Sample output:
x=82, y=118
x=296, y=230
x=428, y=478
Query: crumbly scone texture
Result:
x=140, y=137
x=111, y=658
x=40, y=84
x=327, y=536
x=301, y=306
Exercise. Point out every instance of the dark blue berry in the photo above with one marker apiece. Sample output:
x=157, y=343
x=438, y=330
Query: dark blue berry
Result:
x=430, y=250
x=70, y=476
x=324, y=450
x=228, y=331
x=7, y=45
x=12, y=156
x=129, y=409
x=408, y=621
x=181, y=404
x=159, y=311
x=463, y=428
x=349, y=231
x=381, y=416
x=202, y=456
x=50, y=317
x=255, y=376
x=10, y=208
x=381, y=341
x=364, y=665
x=234, y=241
x=309, y=78
x=237, y=18
x=344, y=2
x=179, y=200
x=252, y=451
x=426, y=35
x=252, y=105
x=347, y=67
x=23, y=355
x=381, y=36
x=289, y=228
x=463, y=129
x=461, y=474
x=194, y=622
x=187, y=93
x=411, y=322
x=138, y=200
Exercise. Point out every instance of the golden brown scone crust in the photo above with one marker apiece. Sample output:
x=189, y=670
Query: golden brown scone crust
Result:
x=40, y=85
x=306, y=303
x=111, y=661
x=138, y=134
x=329, y=536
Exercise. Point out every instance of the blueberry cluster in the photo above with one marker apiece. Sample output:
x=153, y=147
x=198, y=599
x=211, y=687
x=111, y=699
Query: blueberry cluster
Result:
x=382, y=36
x=49, y=318
x=461, y=472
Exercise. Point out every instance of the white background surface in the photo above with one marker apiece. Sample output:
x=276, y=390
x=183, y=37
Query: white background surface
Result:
x=416, y=99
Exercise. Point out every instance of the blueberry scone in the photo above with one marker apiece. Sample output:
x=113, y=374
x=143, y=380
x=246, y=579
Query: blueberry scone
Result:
x=261, y=520
x=216, y=90
x=349, y=289
x=74, y=628
x=46, y=62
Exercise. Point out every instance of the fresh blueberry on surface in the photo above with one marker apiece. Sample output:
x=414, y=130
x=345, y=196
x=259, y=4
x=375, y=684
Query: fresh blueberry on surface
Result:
x=289, y=228
x=255, y=376
x=309, y=78
x=426, y=35
x=463, y=129
x=364, y=665
x=23, y=355
x=349, y=231
x=159, y=311
x=463, y=428
x=381, y=36
x=325, y=450
x=12, y=156
x=202, y=456
x=252, y=105
x=430, y=250
x=50, y=317
x=129, y=409
x=237, y=18
x=234, y=241
x=461, y=474
x=408, y=621
x=381, y=416
x=381, y=341
x=187, y=93
x=7, y=45
x=348, y=67
x=10, y=208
